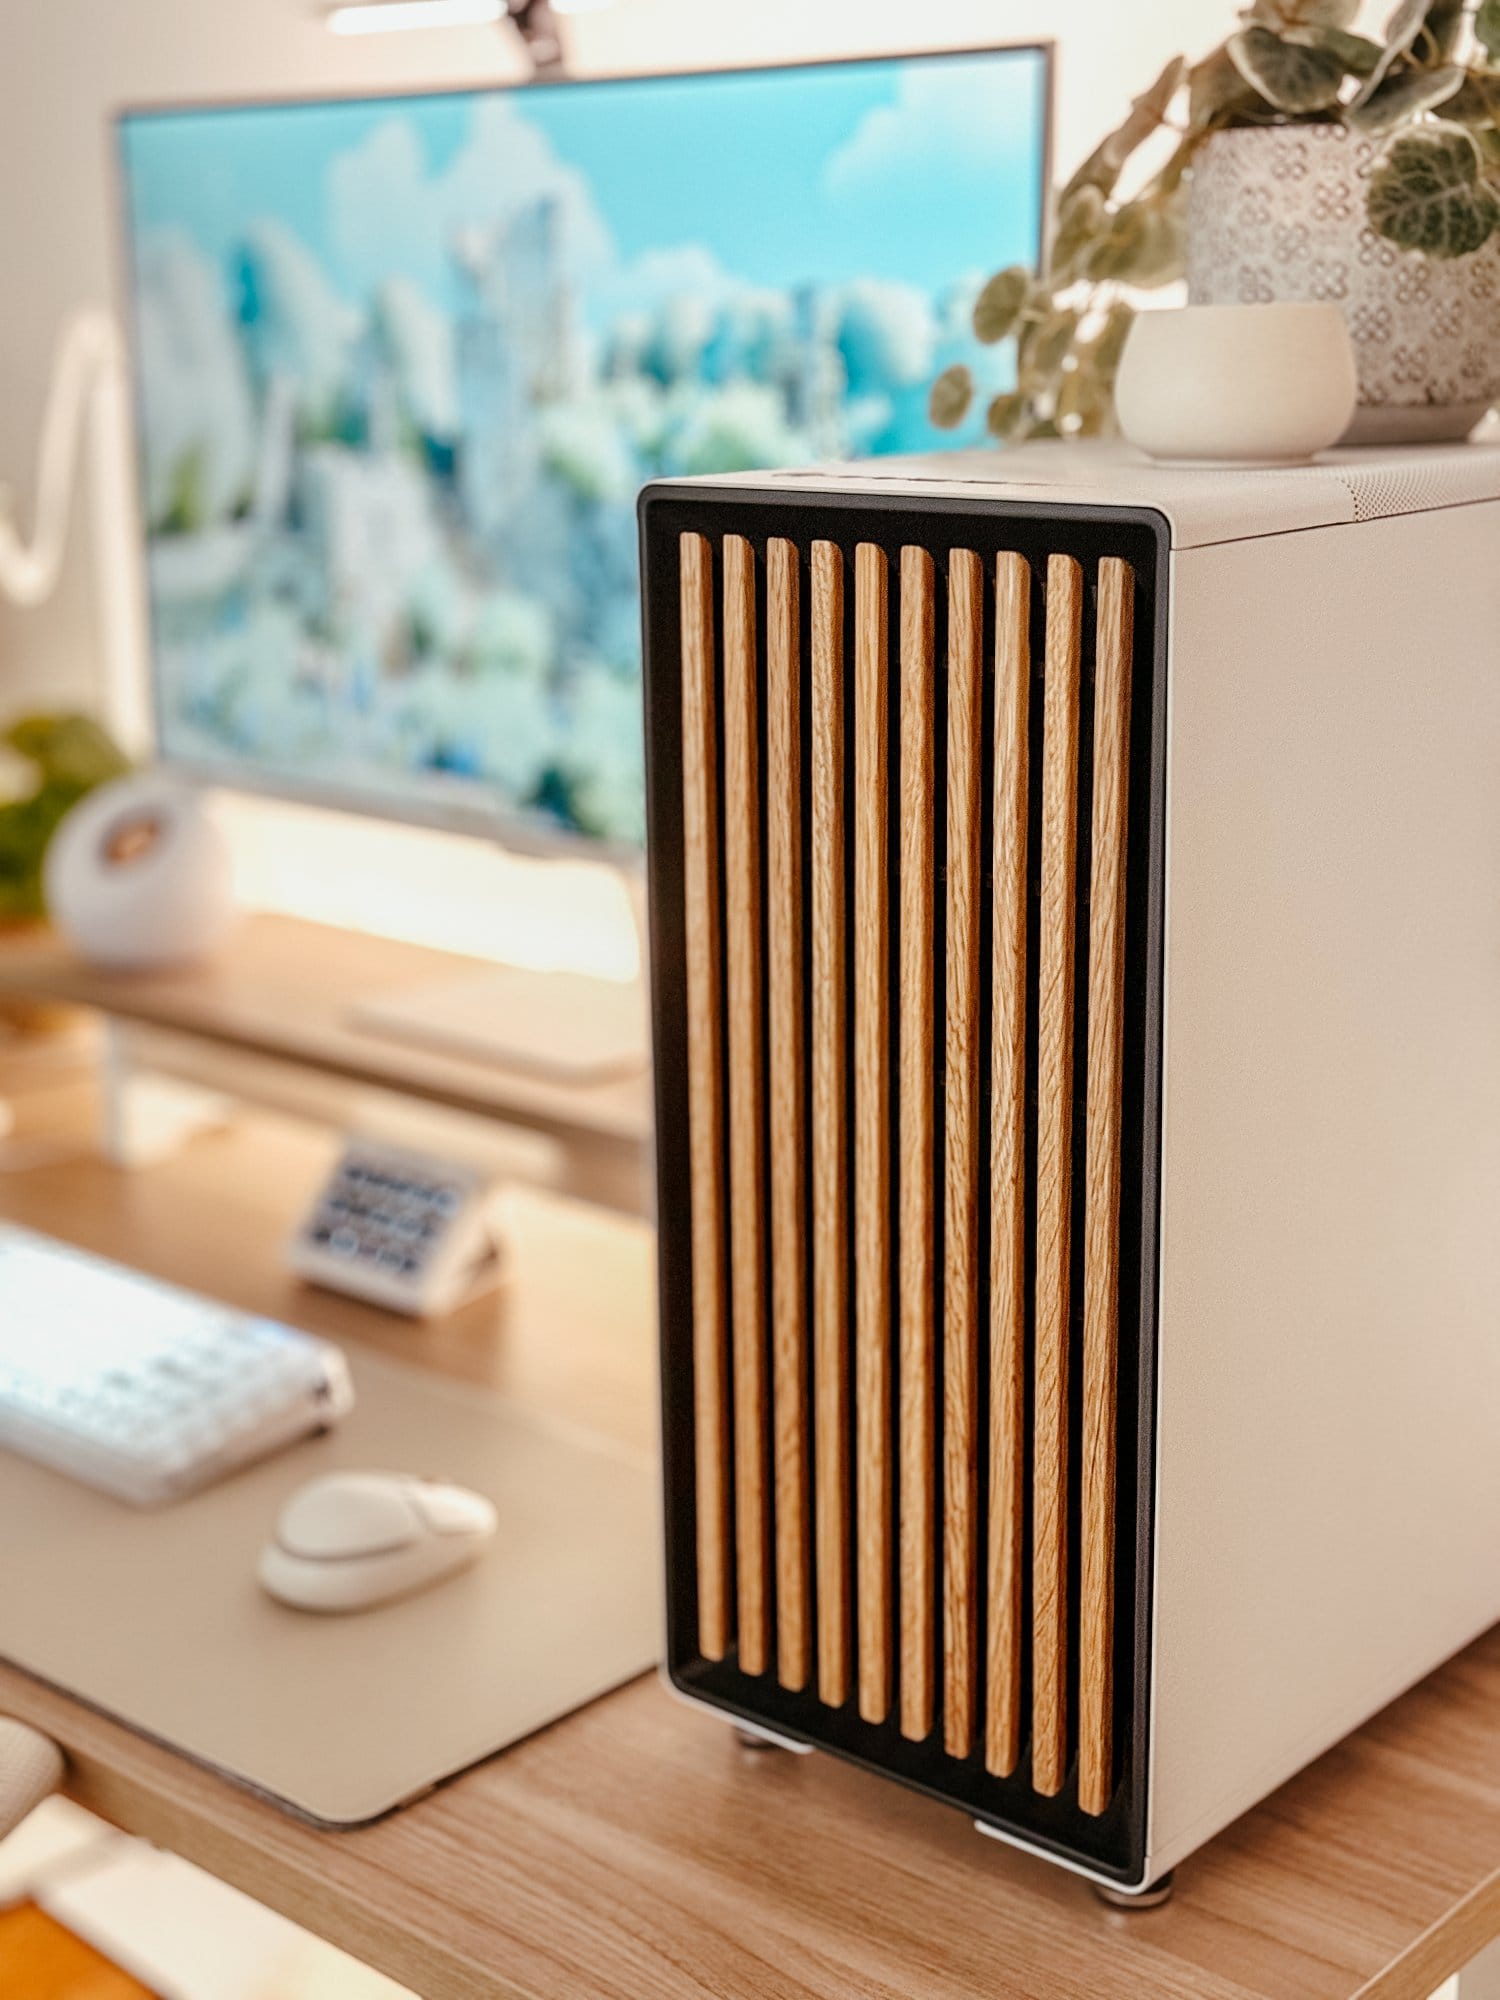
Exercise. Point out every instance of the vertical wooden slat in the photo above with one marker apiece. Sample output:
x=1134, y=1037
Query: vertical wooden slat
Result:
x=829, y=1133
x=1049, y=1719
x=746, y=1219
x=1002, y=1740
x=872, y=1147
x=700, y=835
x=961, y=1154
x=914, y=1171
x=788, y=1175
x=1101, y=1264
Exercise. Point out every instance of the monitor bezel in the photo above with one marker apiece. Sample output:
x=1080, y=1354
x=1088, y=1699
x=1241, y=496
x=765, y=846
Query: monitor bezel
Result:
x=516, y=828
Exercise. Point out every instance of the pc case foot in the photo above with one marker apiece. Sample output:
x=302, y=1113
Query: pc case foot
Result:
x=757, y=1741
x=1139, y=1899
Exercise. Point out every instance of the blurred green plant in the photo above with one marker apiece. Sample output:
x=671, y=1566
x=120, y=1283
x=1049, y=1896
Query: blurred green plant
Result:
x=69, y=755
x=1430, y=91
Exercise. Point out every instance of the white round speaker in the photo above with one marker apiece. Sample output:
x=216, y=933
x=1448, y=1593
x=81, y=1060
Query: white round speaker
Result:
x=138, y=875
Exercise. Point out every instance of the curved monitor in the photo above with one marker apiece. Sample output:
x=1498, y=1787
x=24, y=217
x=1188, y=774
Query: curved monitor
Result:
x=402, y=364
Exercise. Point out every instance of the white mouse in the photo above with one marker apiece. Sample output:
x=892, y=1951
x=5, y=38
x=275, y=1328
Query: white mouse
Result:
x=354, y=1539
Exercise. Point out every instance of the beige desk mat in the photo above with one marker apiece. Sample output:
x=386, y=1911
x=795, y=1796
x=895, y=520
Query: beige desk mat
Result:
x=156, y=1618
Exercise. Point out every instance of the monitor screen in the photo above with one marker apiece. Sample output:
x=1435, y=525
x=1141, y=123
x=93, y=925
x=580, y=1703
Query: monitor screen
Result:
x=402, y=366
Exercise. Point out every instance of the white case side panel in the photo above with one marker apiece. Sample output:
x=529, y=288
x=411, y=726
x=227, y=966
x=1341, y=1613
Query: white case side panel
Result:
x=1328, y=1486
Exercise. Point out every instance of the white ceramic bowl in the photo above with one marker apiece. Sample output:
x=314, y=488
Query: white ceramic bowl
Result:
x=1256, y=384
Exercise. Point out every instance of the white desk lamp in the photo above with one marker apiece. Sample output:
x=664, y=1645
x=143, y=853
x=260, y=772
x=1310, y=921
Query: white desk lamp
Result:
x=137, y=874
x=88, y=389
x=535, y=21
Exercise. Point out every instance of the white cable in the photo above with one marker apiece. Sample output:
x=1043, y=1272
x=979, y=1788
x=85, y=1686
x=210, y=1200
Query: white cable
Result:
x=88, y=357
x=31, y=1769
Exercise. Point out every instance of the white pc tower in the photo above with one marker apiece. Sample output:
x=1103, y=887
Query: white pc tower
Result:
x=1076, y=906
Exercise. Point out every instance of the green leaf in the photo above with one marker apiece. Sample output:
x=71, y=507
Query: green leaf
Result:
x=1357, y=53
x=1217, y=90
x=1289, y=75
x=1005, y=415
x=1284, y=16
x=1477, y=102
x=1426, y=193
x=952, y=393
x=1108, y=344
x=1169, y=180
x=1444, y=24
x=1083, y=401
x=1401, y=30
x=1487, y=28
x=1080, y=220
x=69, y=755
x=999, y=305
x=1102, y=167
x=1114, y=256
x=1143, y=245
x=1044, y=346
x=66, y=749
x=1405, y=24
x=1405, y=95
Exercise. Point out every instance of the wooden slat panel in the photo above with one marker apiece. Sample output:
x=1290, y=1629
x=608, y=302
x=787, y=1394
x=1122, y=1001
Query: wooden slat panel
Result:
x=1002, y=1737
x=700, y=829
x=1049, y=1720
x=961, y=1154
x=1101, y=1264
x=742, y=925
x=829, y=1133
x=917, y=1217
x=787, y=1138
x=872, y=1144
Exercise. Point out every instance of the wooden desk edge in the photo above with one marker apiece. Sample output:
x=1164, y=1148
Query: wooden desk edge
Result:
x=1444, y=1948
x=157, y=1794
x=151, y=1791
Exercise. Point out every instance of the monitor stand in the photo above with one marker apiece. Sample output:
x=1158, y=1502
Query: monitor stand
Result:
x=561, y=1027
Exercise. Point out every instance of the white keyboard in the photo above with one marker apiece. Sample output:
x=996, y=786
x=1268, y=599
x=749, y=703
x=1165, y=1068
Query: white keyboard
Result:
x=146, y=1391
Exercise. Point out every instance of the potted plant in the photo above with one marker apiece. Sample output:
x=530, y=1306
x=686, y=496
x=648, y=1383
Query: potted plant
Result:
x=1307, y=162
x=67, y=755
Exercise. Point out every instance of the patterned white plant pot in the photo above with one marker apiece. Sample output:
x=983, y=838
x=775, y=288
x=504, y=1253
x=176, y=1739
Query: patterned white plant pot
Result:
x=1278, y=212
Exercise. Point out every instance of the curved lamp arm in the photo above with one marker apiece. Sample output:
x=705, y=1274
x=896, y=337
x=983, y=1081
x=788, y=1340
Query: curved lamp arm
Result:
x=89, y=389
x=89, y=358
x=31, y=1769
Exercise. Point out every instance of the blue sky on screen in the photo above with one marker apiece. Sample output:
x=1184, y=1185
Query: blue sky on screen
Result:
x=916, y=171
x=403, y=365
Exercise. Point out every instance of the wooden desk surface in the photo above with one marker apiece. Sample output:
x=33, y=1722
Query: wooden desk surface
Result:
x=284, y=988
x=634, y=1850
